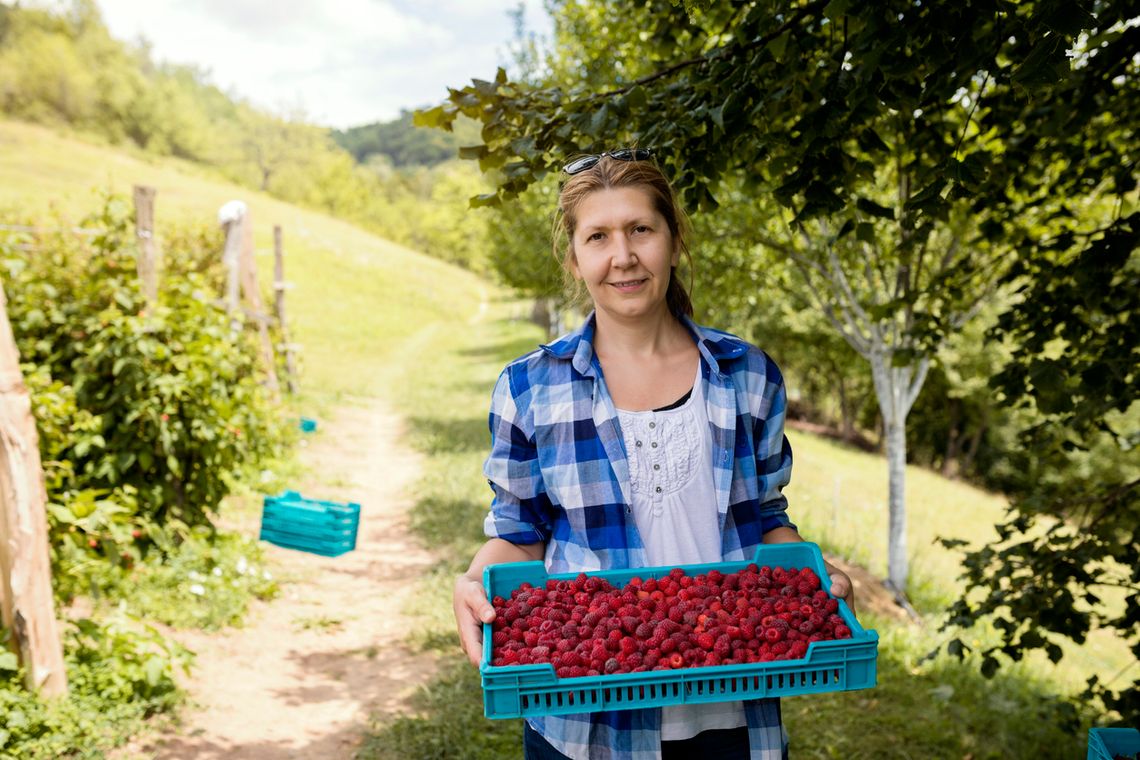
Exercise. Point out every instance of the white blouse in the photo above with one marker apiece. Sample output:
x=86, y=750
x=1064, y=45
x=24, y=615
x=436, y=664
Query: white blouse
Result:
x=674, y=507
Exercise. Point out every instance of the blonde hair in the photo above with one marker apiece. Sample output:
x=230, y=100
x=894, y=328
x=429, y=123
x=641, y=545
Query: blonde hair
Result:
x=610, y=173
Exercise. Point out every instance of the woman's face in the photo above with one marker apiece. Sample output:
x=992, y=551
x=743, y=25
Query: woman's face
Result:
x=623, y=252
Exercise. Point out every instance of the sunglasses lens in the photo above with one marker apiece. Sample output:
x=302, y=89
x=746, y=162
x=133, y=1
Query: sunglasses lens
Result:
x=625, y=154
x=581, y=165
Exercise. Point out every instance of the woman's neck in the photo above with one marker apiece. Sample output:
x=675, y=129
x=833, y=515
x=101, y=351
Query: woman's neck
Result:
x=651, y=335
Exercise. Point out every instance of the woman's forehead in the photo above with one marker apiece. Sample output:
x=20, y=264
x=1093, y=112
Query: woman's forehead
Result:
x=615, y=205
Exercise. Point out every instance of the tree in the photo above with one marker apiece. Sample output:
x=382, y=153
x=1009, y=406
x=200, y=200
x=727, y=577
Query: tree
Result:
x=818, y=105
x=941, y=148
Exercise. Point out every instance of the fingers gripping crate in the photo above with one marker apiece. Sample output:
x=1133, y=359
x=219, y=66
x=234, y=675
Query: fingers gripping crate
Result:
x=531, y=690
x=327, y=528
x=1108, y=743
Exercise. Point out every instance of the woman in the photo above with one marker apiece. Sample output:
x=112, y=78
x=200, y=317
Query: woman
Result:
x=640, y=439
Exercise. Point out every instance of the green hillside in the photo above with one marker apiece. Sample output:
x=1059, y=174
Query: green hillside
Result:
x=356, y=300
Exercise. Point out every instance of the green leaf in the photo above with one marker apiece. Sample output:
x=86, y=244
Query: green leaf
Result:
x=637, y=98
x=865, y=232
x=1045, y=64
x=9, y=661
x=473, y=152
x=485, y=199
x=837, y=9
x=868, y=206
x=779, y=46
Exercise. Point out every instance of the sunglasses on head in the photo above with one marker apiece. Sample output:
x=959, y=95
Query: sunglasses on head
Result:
x=579, y=165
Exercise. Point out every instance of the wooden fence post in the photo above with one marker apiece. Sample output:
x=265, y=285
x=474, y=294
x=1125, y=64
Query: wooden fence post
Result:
x=26, y=605
x=248, y=270
x=144, y=234
x=230, y=217
x=279, y=287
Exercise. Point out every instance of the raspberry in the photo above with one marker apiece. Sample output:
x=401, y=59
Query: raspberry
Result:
x=611, y=665
x=676, y=660
x=644, y=631
x=499, y=638
x=705, y=641
x=773, y=635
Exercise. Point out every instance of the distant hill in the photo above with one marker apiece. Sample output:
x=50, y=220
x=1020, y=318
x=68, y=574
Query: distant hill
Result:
x=404, y=144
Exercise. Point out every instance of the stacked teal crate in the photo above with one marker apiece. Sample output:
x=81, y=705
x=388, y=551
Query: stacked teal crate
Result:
x=1110, y=743
x=327, y=528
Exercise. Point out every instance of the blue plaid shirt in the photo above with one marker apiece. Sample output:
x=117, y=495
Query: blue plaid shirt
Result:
x=560, y=476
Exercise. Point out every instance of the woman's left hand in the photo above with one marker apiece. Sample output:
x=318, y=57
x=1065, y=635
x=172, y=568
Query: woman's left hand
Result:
x=841, y=585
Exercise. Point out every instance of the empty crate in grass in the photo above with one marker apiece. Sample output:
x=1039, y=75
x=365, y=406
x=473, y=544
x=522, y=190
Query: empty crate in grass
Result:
x=310, y=525
x=1110, y=743
x=513, y=691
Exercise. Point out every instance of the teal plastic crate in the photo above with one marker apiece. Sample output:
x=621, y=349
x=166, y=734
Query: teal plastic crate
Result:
x=327, y=528
x=520, y=691
x=1107, y=743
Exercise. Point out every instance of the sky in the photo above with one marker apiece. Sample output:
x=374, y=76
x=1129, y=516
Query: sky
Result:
x=339, y=62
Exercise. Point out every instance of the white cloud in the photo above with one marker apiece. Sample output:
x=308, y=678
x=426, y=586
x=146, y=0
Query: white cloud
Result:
x=344, y=62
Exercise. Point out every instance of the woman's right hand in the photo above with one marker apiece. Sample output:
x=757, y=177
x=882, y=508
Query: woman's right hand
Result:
x=472, y=610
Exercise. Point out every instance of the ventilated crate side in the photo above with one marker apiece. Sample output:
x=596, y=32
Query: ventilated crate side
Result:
x=320, y=527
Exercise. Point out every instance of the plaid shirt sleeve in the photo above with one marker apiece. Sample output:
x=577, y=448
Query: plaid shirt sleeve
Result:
x=773, y=452
x=520, y=511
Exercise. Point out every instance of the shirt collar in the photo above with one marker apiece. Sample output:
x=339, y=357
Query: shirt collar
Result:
x=578, y=346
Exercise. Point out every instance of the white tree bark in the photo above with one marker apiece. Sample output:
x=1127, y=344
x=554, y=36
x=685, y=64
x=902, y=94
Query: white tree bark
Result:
x=896, y=389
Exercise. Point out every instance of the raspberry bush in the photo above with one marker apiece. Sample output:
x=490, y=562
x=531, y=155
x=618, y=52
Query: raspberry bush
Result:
x=588, y=627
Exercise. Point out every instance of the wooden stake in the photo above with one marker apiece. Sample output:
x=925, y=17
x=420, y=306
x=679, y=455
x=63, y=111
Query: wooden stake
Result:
x=144, y=234
x=26, y=606
x=248, y=272
x=279, y=287
x=230, y=257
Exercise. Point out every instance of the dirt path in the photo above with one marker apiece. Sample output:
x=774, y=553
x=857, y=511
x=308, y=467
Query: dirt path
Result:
x=307, y=671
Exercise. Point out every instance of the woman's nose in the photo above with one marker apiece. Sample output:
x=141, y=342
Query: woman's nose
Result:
x=624, y=255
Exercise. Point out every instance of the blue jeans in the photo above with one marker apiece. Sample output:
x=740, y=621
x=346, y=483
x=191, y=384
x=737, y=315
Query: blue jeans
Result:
x=726, y=744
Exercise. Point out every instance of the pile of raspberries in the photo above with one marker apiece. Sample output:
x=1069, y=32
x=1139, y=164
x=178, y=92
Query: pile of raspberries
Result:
x=587, y=627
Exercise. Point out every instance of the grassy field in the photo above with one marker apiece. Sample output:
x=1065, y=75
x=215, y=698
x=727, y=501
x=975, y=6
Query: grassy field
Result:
x=376, y=319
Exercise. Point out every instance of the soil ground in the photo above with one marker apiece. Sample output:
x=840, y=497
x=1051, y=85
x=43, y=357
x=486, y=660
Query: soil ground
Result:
x=309, y=669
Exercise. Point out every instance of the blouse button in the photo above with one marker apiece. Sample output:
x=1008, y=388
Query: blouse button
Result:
x=639, y=444
x=652, y=424
x=657, y=467
x=654, y=444
x=658, y=489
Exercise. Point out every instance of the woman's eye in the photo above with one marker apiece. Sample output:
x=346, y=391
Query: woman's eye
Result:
x=595, y=236
x=641, y=228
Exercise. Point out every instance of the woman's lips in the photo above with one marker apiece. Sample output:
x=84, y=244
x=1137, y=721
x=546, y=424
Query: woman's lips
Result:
x=628, y=286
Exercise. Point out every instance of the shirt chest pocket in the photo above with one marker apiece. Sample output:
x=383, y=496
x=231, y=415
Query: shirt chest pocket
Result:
x=574, y=458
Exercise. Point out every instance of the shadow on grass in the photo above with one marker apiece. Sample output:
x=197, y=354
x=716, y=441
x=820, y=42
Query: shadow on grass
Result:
x=451, y=725
x=449, y=436
x=502, y=352
x=446, y=522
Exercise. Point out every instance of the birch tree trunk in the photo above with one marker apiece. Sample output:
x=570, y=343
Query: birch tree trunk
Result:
x=896, y=389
